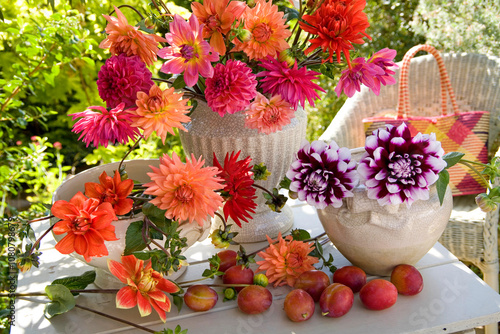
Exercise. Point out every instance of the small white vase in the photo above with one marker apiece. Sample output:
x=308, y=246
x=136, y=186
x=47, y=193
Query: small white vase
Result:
x=378, y=238
x=209, y=133
x=136, y=170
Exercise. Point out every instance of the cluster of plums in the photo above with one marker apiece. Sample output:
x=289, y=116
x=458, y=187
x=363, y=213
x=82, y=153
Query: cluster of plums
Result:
x=335, y=299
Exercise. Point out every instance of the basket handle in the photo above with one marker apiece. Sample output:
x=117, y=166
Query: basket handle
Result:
x=404, y=97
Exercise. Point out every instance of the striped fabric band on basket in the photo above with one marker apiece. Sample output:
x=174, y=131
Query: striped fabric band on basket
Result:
x=465, y=132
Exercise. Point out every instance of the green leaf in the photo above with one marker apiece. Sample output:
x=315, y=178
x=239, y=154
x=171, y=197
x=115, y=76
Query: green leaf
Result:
x=77, y=282
x=155, y=214
x=452, y=158
x=285, y=183
x=62, y=300
x=291, y=13
x=89, y=61
x=442, y=184
x=142, y=255
x=133, y=238
x=178, y=302
x=179, y=82
x=1, y=14
x=299, y=234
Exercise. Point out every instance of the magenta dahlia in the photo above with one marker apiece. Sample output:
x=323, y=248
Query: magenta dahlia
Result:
x=120, y=78
x=102, y=126
x=323, y=174
x=292, y=83
x=231, y=88
x=360, y=73
x=398, y=168
x=384, y=59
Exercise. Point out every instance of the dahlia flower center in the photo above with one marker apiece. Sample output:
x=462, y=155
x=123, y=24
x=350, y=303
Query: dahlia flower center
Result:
x=404, y=168
x=187, y=52
x=295, y=260
x=262, y=32
x=110, y=196
x=147, y=282
x=80, y=225
x=317, y=181
x=272, y=116
x=213, y=22
x=184, y=194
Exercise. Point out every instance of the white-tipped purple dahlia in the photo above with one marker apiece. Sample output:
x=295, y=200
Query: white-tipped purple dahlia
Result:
x=323, y=174
x=398, y=168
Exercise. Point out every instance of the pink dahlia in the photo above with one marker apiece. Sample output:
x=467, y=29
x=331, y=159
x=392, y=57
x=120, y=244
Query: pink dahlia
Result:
x=231, y=88
x=120, y=78
x=384, y=59
x=103, y=126
x=293, y=84
x=323, y=174
x=188, y=52
x=268, y=116
x=359, y=73
x=398, y=168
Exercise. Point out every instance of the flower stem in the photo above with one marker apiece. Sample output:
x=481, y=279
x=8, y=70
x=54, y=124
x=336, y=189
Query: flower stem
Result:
x=129, y=151
x=116, y=319
x=469, y=164
x=264, y=189
x=223, y=220
x=131, y=7
x=161, y=247
x=40, y=239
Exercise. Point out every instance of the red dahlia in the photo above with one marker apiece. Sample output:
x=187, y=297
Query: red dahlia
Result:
x=238, y=192
x=337, y=24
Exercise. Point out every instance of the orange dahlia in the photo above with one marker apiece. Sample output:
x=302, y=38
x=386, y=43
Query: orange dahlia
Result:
x=160, y=111
x=187, y=191
x=217, y=17
x=268, y=116
x=337, y=24
x=268, y=31
x=112, y=190
x=127, y=39
x=145, y=286
x=285, y=259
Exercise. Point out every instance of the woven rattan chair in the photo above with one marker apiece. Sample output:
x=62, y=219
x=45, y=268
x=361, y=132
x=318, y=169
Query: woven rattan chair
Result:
x=471, y=235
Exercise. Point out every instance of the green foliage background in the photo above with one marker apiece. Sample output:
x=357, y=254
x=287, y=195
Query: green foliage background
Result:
x=49, y=60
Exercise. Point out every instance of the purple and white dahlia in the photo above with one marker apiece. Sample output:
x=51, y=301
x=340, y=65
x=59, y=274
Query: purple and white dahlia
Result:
x=323, y=174
x=398, y=168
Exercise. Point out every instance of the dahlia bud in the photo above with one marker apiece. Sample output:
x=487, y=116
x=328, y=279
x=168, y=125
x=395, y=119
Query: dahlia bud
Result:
x=229, y=294
x=24, y=264
x=260, y=279
x=485, y=203
x=251, y=3
x=311, y=3
x=243, y=35
x=286, y=55
x=218, y=241
x=293, y=195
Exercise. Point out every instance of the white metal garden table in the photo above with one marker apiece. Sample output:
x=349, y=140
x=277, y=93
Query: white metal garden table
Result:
x=453, y=299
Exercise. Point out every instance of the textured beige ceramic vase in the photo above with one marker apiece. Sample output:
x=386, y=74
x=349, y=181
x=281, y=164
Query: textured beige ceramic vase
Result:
x=378, y=238
x=208, y=133
x=136, y=170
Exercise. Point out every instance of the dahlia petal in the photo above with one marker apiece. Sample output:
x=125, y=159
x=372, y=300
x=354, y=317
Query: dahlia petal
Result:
x=118, y=270
x=161, y=308
x=67, y=244
x=126, y=298
x=143, y=305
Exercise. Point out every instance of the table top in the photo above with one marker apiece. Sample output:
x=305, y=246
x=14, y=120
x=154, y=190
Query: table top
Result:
x=453, y=299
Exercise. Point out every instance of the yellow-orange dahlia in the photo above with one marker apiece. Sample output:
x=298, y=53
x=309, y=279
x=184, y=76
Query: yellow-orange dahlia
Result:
x=186, y=190
x=160, y=111
x=268, y=31
x=285, y=259
x=127, y=39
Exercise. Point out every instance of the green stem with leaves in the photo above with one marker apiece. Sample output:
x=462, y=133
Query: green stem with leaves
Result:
x=469, y=164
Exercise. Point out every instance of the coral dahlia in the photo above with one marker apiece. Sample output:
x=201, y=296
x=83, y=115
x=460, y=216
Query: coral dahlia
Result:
x=160, y=111
x=286, y=259
x=268, y=116
x=268, y=31
x=398, y=168
x=323, y=174
x=293, y=84
x=124, y=38
x=145, y=286
x=187, y=191
x=120, y=78
x=231, y=88
x=238, y=192
x=102, y=126
x=217, y=16
x=337, y=24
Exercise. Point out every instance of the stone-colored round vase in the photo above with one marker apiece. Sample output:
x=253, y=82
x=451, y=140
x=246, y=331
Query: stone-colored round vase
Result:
x=378, y=238
x=210, y=133
x=136, y=170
